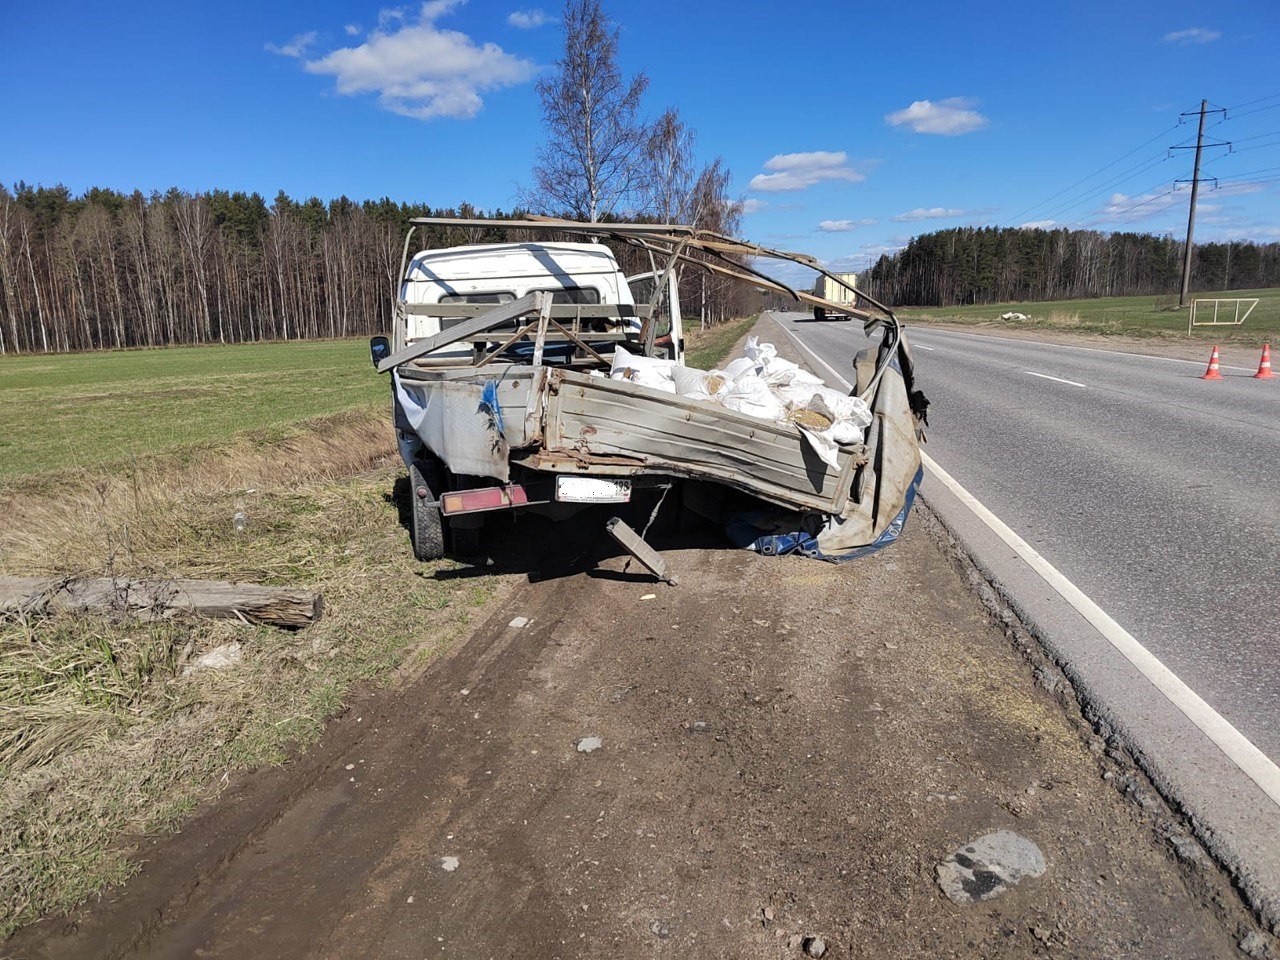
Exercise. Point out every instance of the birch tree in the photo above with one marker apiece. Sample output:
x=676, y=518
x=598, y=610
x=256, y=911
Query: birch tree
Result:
x=591, y=166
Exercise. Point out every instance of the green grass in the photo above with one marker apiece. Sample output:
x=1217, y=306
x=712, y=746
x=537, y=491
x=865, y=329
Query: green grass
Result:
x=74, y=410
x=1129, y=316
x=707, y=348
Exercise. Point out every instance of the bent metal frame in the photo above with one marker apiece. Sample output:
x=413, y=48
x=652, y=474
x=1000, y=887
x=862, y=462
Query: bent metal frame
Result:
x=677, y=245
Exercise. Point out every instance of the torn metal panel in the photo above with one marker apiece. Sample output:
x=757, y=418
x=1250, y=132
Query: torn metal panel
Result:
x=460, y=422
x=594, y=417
x=634, y=544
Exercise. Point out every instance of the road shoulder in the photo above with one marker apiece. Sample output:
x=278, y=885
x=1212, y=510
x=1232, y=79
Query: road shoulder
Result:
x=1229, y=812
x=1189, y=350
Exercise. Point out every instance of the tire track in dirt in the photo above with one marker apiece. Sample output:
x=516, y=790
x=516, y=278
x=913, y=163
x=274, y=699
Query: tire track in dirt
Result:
x=777, y=733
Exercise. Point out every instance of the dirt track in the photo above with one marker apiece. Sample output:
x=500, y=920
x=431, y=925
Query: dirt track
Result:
x=777, y=733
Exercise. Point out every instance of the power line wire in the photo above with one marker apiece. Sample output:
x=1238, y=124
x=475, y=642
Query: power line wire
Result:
x=1102, y=169
x=1124, y=213
x=1249, y=103
x=1250, y=173
x=1098, y=190
x=1256, y=136
x=1249, y=113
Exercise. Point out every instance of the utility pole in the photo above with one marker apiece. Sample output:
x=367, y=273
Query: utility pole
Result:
x=1195, y=193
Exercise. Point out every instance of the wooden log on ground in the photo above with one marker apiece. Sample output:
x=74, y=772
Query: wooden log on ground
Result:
x=152, y=599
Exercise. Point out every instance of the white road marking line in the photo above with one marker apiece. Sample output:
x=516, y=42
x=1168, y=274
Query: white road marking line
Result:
x=1055, y=379
x=1237, y=747
x=921, y=346
x=1068, y=346
x=1255, y=764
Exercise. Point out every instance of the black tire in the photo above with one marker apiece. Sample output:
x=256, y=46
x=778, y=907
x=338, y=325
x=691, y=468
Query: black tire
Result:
x=819, y=313
x=427, y=532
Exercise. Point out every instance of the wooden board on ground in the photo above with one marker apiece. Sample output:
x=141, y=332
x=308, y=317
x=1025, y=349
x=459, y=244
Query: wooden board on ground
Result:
x=162, y=599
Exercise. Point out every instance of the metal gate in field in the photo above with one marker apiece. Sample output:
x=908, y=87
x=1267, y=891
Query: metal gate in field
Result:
x=1230, y=316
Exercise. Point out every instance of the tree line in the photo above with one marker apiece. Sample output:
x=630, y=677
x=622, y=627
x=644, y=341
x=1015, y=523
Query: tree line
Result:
x=111, y=270
x=107, y=269
x=998, y=264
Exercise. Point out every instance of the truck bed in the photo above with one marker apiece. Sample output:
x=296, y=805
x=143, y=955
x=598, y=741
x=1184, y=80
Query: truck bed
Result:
x=596, y=425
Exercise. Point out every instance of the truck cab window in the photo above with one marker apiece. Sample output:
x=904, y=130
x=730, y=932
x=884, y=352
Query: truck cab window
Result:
x=573, y=295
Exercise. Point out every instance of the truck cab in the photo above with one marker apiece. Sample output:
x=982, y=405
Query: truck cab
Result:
x=585, y=274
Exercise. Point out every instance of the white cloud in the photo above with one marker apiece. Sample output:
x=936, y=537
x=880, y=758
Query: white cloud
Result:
x=1039, y=224
x=843, y=226
x=1131, y=209
x=753, y=205
x=869, y=254
x=929, y=213
x=948, y=118
x=297, y=47
x=848, y=263
x=527, y=19
x=420, y=70
x=1192, y=35
x=352, y=29
x=796, y=171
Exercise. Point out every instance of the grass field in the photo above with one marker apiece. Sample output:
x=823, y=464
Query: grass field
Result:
x=74, y=410
x=1128, y=316
x=69, y=411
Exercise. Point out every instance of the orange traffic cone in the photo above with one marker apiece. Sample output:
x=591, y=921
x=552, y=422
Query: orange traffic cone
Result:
x=1264, y=368
x=1212, y=373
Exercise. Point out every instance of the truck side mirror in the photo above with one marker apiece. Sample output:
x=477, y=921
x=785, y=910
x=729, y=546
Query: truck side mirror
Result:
x=379, y=349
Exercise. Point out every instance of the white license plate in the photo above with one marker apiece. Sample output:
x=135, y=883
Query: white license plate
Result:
x=592, y=490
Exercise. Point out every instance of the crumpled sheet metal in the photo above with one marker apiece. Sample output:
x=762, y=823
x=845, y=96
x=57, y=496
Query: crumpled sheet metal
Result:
x=884, y=492
x=458, y=421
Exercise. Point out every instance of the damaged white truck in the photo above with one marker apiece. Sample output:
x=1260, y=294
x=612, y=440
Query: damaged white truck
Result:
x=534, y=376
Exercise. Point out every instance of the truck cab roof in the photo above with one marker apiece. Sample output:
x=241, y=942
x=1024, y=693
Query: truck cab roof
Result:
x=511, y=260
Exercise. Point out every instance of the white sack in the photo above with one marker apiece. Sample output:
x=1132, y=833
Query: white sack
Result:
x=742, y=367
x=749, y=394
x=760, y=353
x=700, y=384
x=646, y=371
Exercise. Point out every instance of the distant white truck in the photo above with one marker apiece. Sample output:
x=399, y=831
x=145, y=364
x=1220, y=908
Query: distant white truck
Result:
x=839, y=288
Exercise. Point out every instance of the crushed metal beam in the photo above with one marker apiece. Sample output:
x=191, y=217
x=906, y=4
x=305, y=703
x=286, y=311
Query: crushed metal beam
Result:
x=645, y=554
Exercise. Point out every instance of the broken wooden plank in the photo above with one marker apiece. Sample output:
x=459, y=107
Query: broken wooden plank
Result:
x=155, y=599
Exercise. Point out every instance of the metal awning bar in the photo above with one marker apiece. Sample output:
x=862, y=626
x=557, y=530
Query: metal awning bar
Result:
x=560, y=311
x=705, y=249
x=550, y=223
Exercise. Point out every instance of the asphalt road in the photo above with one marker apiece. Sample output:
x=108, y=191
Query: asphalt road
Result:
x=1156, y=492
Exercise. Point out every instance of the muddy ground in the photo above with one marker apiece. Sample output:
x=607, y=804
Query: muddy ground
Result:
x=788, y=749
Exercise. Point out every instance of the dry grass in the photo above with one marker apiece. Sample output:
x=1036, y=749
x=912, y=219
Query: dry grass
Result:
x=1116, y=316
x=140, y=519
x=101, y=736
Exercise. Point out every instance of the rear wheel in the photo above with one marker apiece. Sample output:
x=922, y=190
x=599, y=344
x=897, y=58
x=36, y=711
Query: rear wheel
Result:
x=819, y=313
x=427, y=532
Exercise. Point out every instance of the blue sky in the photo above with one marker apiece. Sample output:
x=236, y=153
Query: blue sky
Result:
x=848, y=127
